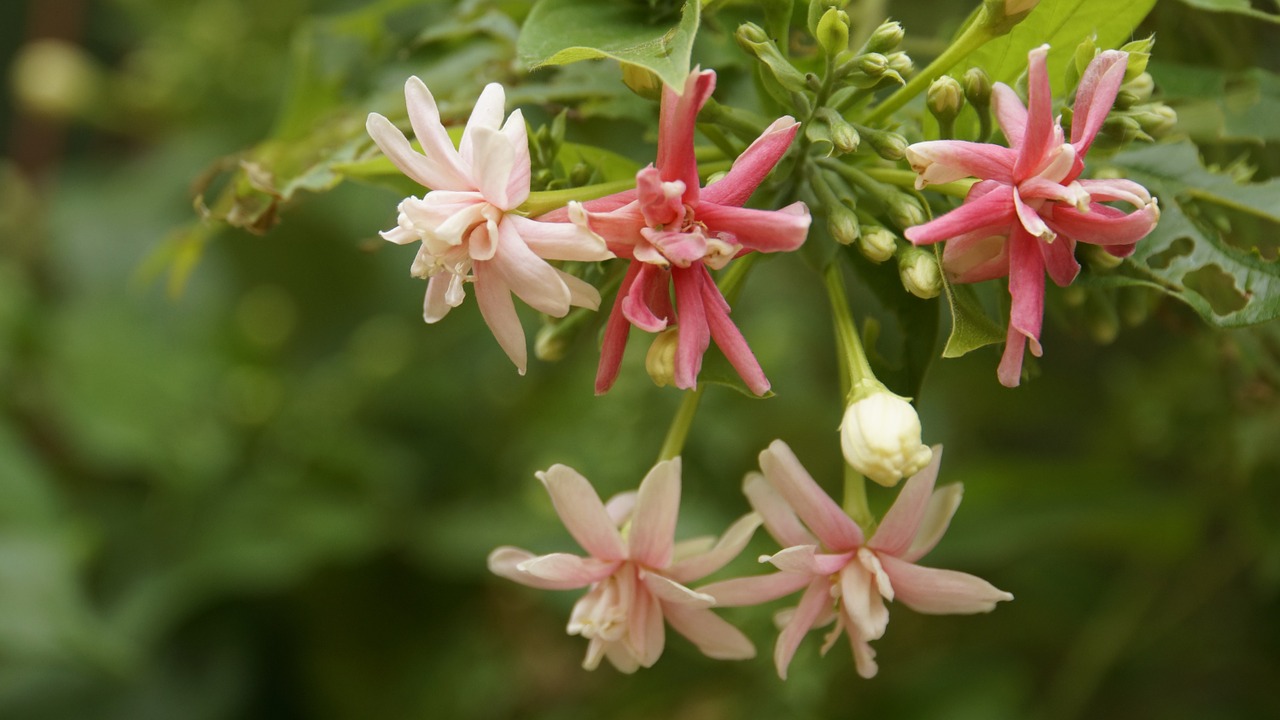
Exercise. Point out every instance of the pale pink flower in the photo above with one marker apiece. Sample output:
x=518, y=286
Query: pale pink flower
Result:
x=637, y=574
x=1030, y=209
x=846, y=578
x=673, y=230
x=467, y=223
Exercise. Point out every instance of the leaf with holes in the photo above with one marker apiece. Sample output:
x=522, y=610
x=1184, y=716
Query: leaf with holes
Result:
x=1210, y=248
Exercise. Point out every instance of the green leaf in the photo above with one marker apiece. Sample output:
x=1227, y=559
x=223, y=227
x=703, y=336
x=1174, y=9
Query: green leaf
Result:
x=1063, y=24
x=971, y=327
x=1208, y=247
x=1240, y=7
x=1214, y=105
x=559, y=32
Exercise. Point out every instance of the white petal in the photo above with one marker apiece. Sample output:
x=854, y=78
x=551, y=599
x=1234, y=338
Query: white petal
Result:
x=714, y=637
x=499, y=312
x=711, y=559
x=487, y=115
x=653, y=524
x=672, y=592
x=582, y=513
x=424, y=116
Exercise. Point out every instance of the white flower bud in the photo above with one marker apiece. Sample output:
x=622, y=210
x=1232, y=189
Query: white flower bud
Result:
x=880, y=436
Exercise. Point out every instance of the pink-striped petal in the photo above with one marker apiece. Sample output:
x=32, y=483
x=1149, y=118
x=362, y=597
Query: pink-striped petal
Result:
x=941, y=592
x=942, y=161
x=561, y=240
x=424, y=116
x=693, y=336
x=1039, y=135
x=780, y=230
x=755, y=590
x=1010, y=369
x=506, y=561
x=647, y=304
x=715, y=637
x=529, y=276
x=486, y=115
x=702, y=564
x=418, y=168
x=1105, y=225
x=1030, y=219
x=806, y=560
x=1095, y=95
x=653, y=523
x=647, y=636
x=494, y=300
x=753, y=165
x=565, y=571
x=730, y=341
x=1107, y=190
x=976, y=257
x=994, y=209
x=517, y=135
x=1010, y=113
x=492, y=164
x=937, y=517
x=616, y=330
x=671, y=592
x=1060, y=260
x=1026, y=287
x=661, y=202
x=898, y=528
x=815, y=600
x=582, y=513
x=823, y=516
x=780, y=520
x=675, y=130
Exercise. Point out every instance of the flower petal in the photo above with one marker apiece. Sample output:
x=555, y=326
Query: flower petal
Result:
x=436, y=305
x=424, y=116
x=937, y=517
x=780, y=520
x=984, y=214
x=902, y=521
x=1095, y=95
x=529, y=276
x=741, y=592
x=492, y=164
x=1038, y=137
x=561, y=240
x=675, y=130
x=581, y=293
x=1105, y=225
x=862, y=601
x=417, y=167
x=506, y=561
x=823, y=516
x=661, y=202
x=620, y=506
x=566, y=571
x=693, y=334
x=715, y=637
x=976, y=257
x=1030, y=219
x=753, y=165
x=730, y=341
x=941, y=592
x=486, y=115
x=671, y=592
x=1060, y=260
x=647, y=634
x=780, y=230
x=942, y=161
x=499, y=312
x=582, y=513
x=647, y=303
x=616, y=330
x=696, y=567
x=815, y=599
x=653, y=523
x=517, y=135
x=1010, y=113
x=806, y=560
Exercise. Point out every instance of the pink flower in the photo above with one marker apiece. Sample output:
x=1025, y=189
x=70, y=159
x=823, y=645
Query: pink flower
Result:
x=673, y=230
x=847, y=579
x=638, y=576
x=1030, y=209
x=467, y=224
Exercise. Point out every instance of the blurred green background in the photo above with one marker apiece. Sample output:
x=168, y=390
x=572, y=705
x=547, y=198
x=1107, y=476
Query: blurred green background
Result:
x=271, y=494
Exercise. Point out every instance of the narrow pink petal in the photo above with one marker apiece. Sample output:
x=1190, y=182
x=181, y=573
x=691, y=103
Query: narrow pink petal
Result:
x=661, y=202
x=806, y=560
x=898, y=528
x=1030, y=219
x=730, y=341
x=753, y=165
x=505, y=562
x=815, y=599
x=675, y=130
x=976, y=257
x=1095, y=95
x=1026, y=286
x=1038, y=138
x=715, y=637
x=1010, y=369
x=671, y=592
x=653, y=523
x=492, y=164
x=620, y=227
x=693, y=335
x=582, y=513
x=1060, y=260
x=567, y=571
x=646, y=303
x=603, y=205
x=823, y=516
x=986, y=212
x=517, y=136
x=780, y=230
x=529, y=276
x=494, y=300
x=647, y=633
x=780, y=519
x=696, y=567
x=1010, y=113
x=1106, y=190
x=1035, y=188
x=941, y=592
x=755, y=590
x=616, y=331
x=942, y=161
x=1105, y=225
x=424, y=116
x=937, y=517
x=396, y=147
x=487, y=115
x=560, y=241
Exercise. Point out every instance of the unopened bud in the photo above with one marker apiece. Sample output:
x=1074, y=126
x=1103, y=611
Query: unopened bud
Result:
x=919, y=272
x=945, y=98
x=880, y=437
x=887, y=144
x=905, y=211
x=754, y=40
x=1155, y=119
x=1139, y=53
x=841, y=134
x=977, y=87
x=1085, y=52
x=885, y=38
x=871, y=64
x=1098, y=258
x=1135, y=91
x=833, y=31
x=900, y=63
x=877, y=243
x=642, y=81
x=842, y=223
x=56, y=78
x=1001, y=15
x=660, y=361
x=817, y=10
x=550, y=344
x=1124, y=129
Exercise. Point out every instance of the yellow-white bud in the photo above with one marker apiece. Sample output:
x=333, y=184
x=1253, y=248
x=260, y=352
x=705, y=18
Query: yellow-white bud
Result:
x=880, y=436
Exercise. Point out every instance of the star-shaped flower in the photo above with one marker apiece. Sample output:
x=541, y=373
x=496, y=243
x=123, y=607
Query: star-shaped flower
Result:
x=467, y=222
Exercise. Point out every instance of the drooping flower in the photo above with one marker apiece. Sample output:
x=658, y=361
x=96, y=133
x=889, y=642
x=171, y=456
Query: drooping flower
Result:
x=845, y=577
x=673, y=231
x=1030, y=209
x=636, y=573
x=467, y=222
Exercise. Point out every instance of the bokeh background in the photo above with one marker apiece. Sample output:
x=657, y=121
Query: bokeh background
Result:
x=267, y=490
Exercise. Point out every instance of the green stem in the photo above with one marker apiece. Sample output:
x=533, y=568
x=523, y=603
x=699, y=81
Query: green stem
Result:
x=906, y=179
x=973, y=37
x=548, y=200
x=855, y=500
x=855, y=370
